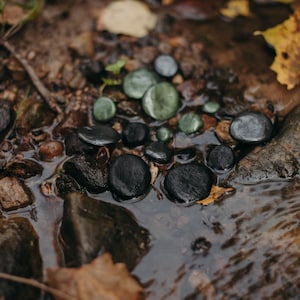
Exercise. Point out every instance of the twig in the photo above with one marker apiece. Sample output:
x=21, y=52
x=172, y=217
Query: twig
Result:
x=36, y=284
x=42, y=90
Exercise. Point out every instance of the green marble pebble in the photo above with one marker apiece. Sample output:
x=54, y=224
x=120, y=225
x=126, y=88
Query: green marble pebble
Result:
x=136, y=83
x=211, y=107
x=190, y=123
x=161, y=101
x=164, y=134
x=104, y=109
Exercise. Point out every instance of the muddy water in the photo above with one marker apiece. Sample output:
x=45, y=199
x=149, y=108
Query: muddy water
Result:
x=246, y=246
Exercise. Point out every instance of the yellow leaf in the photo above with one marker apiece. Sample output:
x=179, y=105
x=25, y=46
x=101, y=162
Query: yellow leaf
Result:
x=129, y=17
x=216, y=193
x=285, y=38
x=236, y=8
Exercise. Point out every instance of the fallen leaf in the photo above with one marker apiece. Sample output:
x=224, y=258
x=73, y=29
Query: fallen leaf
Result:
x=216, y=193
x=128, y=17
x=285, y=38
x=236, y=8
x=99, y=280
x=153, y=172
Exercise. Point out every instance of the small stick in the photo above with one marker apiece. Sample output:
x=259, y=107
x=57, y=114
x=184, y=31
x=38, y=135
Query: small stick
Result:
x=36, y=284
x=42, y=90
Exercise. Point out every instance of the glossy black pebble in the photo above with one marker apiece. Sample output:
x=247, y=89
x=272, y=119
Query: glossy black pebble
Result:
x=158, y=152
x=129, y=177
x=251, y=128
x=99, y=135
x=165, y=65
x=221, y=158
x=188, y=183
x=135, y=134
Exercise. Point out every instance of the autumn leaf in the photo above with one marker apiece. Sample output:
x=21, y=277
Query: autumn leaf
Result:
x=216, y=193
x=285, y=38
x=236, y=8
x=129, y=17
x=99, y=280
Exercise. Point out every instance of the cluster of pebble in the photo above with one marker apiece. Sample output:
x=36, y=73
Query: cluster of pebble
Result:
x=129, y=175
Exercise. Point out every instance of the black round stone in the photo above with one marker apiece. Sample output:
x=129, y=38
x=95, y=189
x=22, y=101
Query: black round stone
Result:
x=221, y=157
x=251, y=128
x=165, y=65
x=129, y=177
x=135, y=134
x=158, y=152
x=188, y=183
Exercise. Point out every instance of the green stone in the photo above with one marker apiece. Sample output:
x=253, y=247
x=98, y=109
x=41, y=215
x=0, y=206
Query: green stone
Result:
x=211, y=107
x=104, y=109
x=161, y=101
x=190, y=123
x=164, y=134
x=136, y=83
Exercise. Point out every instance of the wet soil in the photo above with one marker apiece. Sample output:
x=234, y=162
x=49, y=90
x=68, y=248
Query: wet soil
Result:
x=245, y=246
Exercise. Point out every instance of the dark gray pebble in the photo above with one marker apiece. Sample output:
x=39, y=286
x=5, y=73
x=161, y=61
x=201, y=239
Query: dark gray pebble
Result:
x=99, y=135
x=129, y=177
x=221, y=157
x=74, y=145
x=158, y=152
x=188, y=183
x=135, y=134
x=251, y=128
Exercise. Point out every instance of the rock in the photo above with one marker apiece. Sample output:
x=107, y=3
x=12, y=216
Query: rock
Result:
x=188, y=183
x=129, y=177
x=190, y=123
x=99, y=135
x=104, y=109
x=164, y=134
x=25, y=168
x=279, y=159
x=135, y=134
x=92, y=70
x=91, y=227
x=221, y=157
x=14, y=193
x=66, y=184
x=136, y=83
x=251, y=128
x=20, y=256
x=185, y=155
x=161, y=101
x=74, y=145
x=50, y=149
x=165, y=65
x=88, y=171
x=158, y=152
x=5, y=115
x=211, y=107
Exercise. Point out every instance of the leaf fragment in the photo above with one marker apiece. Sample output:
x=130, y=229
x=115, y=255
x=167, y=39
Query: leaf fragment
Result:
x=216, y=193
x=116, y=67
x=285, y=38
x=236, y=8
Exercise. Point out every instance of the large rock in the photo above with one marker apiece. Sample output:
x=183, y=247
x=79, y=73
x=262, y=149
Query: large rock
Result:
x=19, y=252
x=279, y=159
x=91, y=227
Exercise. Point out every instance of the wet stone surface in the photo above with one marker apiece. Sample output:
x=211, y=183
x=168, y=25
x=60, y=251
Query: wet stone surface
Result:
x=99, y=135
x=74, y=145
x=188, y=183
x=88, y=171
x=135, y=134
x=221, y=157
x=129, y=177
x=19, y=252
x=91, y=227
x=189, y=123
x=165, y=65
x=104, y=109
x=158, y=152
x=164, y=134
x=251, y=127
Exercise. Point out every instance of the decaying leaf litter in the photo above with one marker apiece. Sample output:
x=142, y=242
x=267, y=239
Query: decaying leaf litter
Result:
x=72, y=101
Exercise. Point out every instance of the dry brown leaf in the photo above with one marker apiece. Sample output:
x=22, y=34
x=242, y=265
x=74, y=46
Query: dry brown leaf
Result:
x=236, y=8
x=216, y=193
x=128, y=17
x=285, y=38
x=99, y=280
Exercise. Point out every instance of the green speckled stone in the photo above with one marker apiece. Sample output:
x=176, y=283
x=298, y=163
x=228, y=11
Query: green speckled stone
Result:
x=164, y=134
x=211, y=107
x=104, y=109
x=161, y=101
x=136, y=83
x=190, y=123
